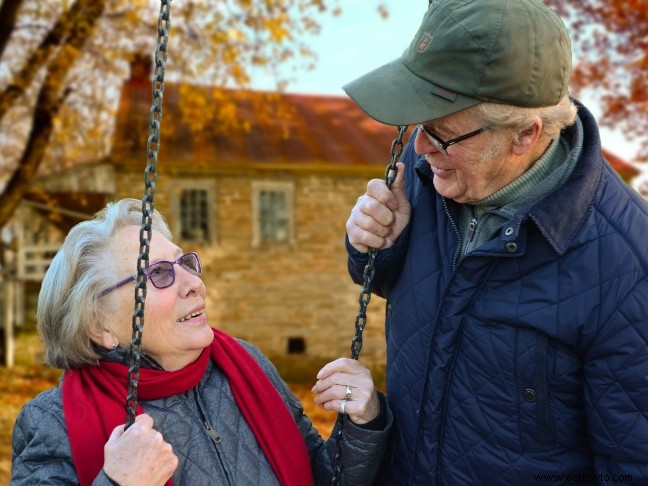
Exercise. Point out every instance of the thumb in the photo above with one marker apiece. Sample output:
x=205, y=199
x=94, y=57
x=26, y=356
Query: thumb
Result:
x=398, y=185
x=399, y=180
x=117, y=433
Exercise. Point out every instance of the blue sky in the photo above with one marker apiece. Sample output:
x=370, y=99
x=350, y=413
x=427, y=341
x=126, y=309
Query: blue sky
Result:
x=360, y=40
x=354, y=43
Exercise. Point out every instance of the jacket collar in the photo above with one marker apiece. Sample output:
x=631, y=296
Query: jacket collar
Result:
x=561, y=215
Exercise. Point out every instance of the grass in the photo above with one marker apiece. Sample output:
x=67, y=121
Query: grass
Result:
x=29, y=377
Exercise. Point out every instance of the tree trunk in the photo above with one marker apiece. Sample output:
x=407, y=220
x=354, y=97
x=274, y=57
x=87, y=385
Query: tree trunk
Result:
x=79, y=28
x=75, y=23
x=8, y=14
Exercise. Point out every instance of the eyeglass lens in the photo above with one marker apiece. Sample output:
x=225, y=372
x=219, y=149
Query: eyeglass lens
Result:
x=162, y=274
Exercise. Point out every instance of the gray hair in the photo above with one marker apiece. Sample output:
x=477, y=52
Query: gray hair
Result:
x=508, y=121
x=68, y=310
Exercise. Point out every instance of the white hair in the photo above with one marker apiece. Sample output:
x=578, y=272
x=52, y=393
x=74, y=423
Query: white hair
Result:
x=68, y=309
x=508, y=121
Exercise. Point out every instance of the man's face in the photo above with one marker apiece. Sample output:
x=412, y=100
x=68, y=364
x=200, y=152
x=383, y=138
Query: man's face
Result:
x=465, y=174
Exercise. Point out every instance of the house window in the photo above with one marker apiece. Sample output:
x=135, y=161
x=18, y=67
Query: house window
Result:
x=272, y=212
x=194, y=216
x=273, y=215
x=194, y=211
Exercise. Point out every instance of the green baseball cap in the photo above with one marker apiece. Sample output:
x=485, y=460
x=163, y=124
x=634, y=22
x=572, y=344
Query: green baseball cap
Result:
x=515, y=52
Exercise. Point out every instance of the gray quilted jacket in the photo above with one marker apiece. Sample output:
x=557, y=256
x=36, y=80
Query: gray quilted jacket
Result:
x=41, y=450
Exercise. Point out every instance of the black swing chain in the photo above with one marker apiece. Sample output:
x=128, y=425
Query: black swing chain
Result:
x=150, y=175
x=365, y=296
x=148, y=206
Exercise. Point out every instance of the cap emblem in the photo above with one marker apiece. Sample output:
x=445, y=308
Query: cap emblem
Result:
x=444, y=93
x=425, y=41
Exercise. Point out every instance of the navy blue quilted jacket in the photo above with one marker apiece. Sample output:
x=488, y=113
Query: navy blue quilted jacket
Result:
x=525, y=361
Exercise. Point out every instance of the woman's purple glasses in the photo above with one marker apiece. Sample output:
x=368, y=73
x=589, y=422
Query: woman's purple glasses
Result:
x=161, y=274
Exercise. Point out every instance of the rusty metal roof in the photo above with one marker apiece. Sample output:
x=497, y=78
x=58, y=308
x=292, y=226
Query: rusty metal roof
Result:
x=270, y=130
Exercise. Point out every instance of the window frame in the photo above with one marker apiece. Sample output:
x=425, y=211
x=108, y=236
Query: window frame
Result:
x=288, y=188
x=209, y=186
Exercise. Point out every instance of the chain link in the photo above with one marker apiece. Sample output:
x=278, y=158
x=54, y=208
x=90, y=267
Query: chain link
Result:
x=150, y=175
x=365, y=296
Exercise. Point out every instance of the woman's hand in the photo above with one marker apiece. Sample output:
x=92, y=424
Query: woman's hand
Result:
x=380, y=215
x=363, y=405
x=139, y=455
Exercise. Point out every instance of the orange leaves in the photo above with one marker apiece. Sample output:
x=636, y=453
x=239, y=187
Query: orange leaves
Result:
x=610, y=42
x=277, y=28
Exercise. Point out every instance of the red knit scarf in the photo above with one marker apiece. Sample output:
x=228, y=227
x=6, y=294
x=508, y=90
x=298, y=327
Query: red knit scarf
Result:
x=94, y=404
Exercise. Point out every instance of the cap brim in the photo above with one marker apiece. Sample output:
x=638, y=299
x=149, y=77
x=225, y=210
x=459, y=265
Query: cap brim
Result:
x=393, y=95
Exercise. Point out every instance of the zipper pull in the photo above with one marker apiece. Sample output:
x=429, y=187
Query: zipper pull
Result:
x=212, y=433
x=473, y=224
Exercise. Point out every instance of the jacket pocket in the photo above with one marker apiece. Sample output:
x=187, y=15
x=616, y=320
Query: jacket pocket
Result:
x=388, y=317
x=535, y=415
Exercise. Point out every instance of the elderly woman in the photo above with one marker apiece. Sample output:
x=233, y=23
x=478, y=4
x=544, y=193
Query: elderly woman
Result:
x=212, y=409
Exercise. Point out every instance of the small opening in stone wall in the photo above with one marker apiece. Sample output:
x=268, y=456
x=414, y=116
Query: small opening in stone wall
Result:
x=296, y=345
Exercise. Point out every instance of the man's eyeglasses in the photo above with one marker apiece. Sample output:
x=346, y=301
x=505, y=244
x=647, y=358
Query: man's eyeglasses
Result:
x=162, y=274
x=441, y=145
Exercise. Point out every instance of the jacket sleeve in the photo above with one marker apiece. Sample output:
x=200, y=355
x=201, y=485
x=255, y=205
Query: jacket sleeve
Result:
x=40, y=447
x=364, y=448
x=388, y=264
x=363, y=451
x=616, y=391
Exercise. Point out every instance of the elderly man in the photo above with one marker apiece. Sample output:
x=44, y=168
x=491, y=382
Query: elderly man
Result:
x=513, y=259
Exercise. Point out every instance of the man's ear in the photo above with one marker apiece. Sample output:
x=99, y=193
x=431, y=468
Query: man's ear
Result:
x=528, y=138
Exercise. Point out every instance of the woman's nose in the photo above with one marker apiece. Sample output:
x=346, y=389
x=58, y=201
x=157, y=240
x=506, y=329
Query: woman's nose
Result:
x=189, y=282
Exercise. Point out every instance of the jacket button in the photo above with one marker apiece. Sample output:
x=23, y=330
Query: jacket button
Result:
x=511, y=247
x=530, y=395
x=389, y=309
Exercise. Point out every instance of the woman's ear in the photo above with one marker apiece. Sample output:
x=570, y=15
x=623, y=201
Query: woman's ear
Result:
x=528, y=138
x=104, y=338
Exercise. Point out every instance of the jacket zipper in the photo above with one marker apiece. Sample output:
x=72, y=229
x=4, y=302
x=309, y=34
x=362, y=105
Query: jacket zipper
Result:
x=434, y=334
x=213, y=435
x=217, y=439
x=450, y=367
x=457, y=232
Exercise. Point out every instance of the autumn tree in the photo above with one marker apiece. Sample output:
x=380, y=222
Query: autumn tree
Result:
x=610, y=41
x=62, y=62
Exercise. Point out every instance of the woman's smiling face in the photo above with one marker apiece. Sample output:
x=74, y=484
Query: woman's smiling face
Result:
x=175, y=323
